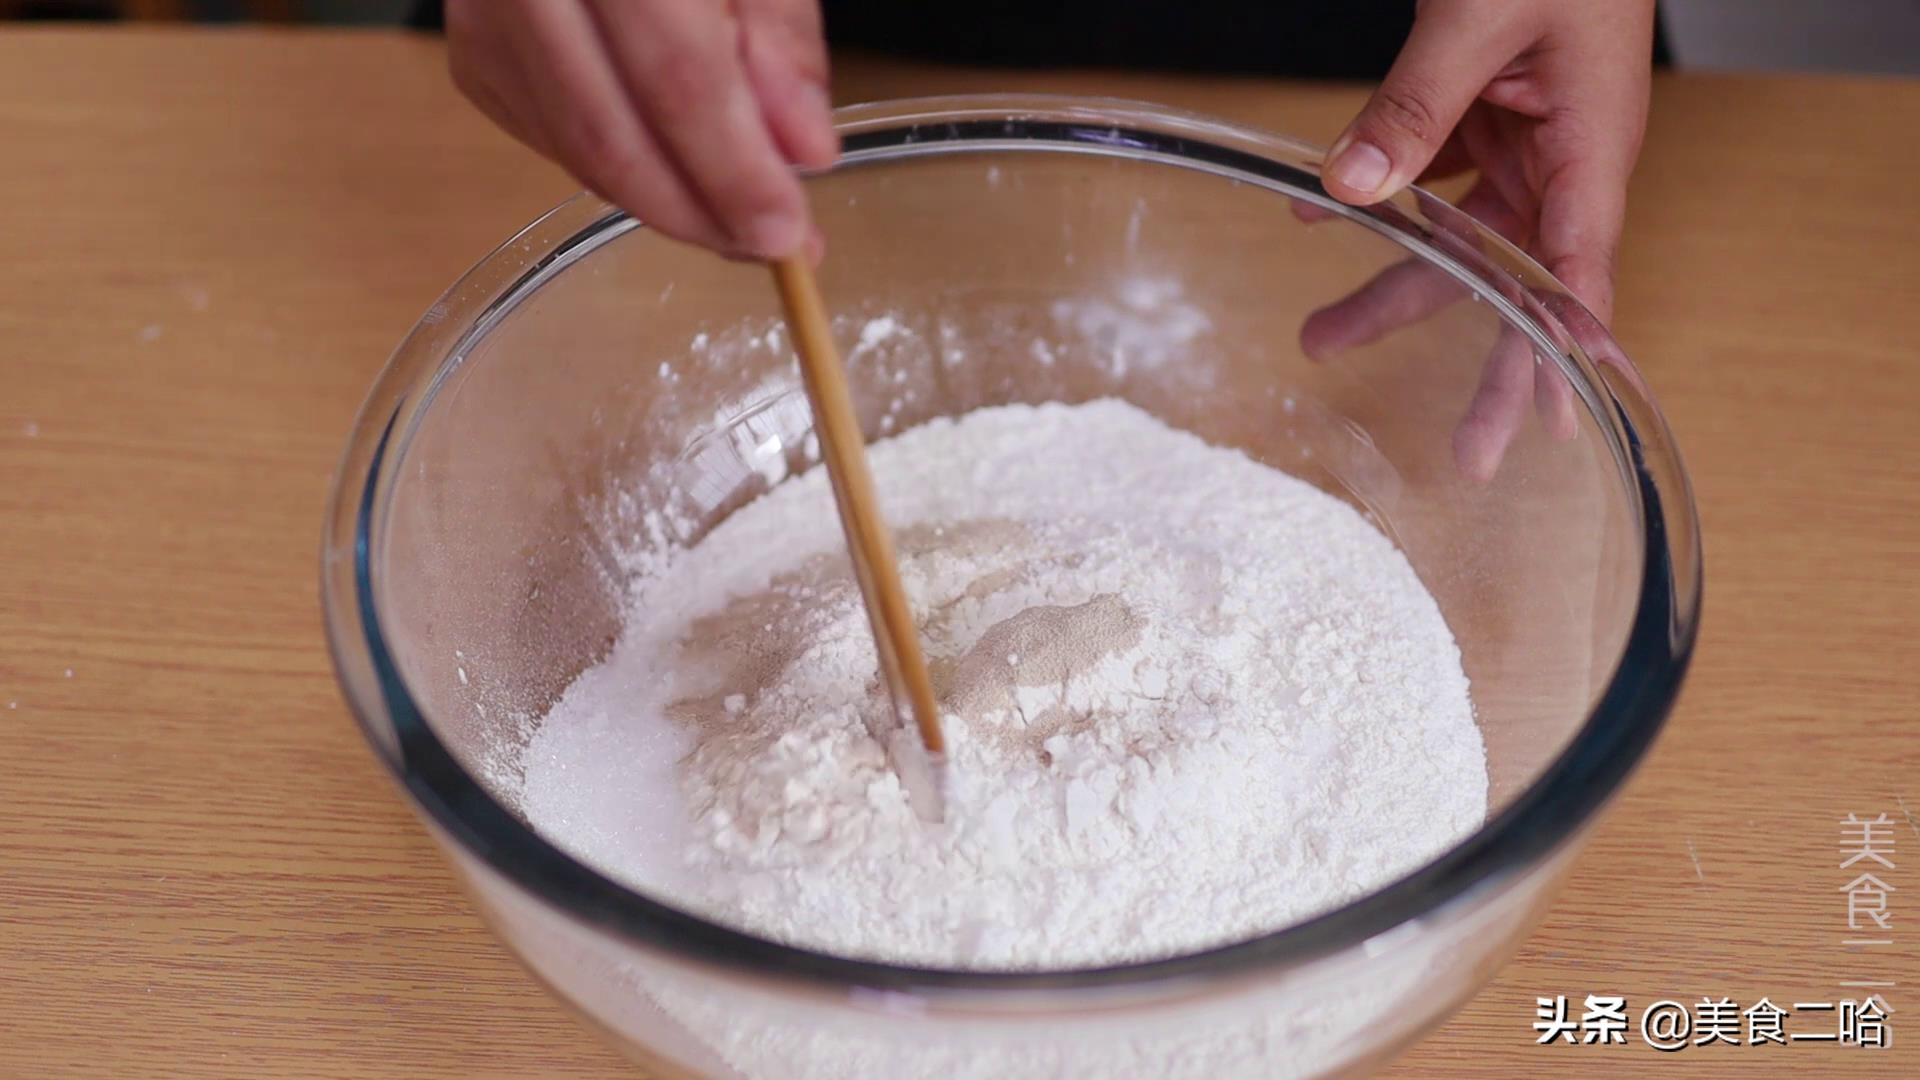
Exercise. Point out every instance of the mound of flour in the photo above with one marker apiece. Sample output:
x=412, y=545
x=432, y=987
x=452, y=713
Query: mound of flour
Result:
x=1189, y=699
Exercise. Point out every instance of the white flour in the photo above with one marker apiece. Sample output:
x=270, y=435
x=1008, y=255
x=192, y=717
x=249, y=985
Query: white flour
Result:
x=1189, y=699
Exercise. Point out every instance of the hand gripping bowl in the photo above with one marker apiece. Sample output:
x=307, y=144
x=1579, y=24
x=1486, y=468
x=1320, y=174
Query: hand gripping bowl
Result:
x=590, y=373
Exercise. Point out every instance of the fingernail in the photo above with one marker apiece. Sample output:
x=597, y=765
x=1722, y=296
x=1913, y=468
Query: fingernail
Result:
x=1362, y=166
x=774, y=234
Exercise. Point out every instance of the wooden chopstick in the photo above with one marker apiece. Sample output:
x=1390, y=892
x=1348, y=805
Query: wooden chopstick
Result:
x=844, y=449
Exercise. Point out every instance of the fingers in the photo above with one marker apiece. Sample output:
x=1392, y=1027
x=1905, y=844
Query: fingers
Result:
x=487, y=73
x=786, y=60
x=1587, y=148
x=1565, y=88
x=1454, y=50
x=680, y=61
x=1498, y=407
x=1402, y=294
x=1452, y=160
x=1485, y=203
x=1491, y=136
x=1413, y=290
x=680, y=112
x=1593, y=337
x=1582, y=210
x=1308, y=213
x=1553, y=400
x=592, y=127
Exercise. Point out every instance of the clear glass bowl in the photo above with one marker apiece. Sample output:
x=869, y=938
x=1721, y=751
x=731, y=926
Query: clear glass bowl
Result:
x=589, y=371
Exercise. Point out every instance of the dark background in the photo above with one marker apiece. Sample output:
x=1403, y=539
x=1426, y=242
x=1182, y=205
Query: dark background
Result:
x=1249, y=36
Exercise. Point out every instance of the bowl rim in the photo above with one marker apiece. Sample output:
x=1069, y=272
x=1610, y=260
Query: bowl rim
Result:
x=1553, y=807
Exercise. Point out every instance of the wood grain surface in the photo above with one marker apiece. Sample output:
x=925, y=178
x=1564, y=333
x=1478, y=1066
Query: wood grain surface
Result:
x=212, y=240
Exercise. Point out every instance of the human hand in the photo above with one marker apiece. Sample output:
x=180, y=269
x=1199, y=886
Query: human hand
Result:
x=1547, y=101
x=689, y=114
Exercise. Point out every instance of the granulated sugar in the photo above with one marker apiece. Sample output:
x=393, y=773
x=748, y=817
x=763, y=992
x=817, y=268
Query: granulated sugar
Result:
x=1189, y=699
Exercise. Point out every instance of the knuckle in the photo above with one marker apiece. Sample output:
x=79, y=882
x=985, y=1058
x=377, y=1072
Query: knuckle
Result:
x=602, y=151
x=682, y=76
x=613, y=171
x=1603, y=254
x=799, y=18
x=1564, y=131
x=798, y=31
x=689, y=50
x=809, y=59
x=798, y=51
x=752, y=193
x=1411, y=107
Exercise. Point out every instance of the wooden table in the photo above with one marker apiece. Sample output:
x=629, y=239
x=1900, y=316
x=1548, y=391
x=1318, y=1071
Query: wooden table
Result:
x=212, y=241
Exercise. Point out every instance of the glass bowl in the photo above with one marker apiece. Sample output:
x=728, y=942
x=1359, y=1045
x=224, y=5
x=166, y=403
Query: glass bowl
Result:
x=589, y=373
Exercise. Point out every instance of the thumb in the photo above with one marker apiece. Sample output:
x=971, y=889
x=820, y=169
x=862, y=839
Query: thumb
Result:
x=1454, y=51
